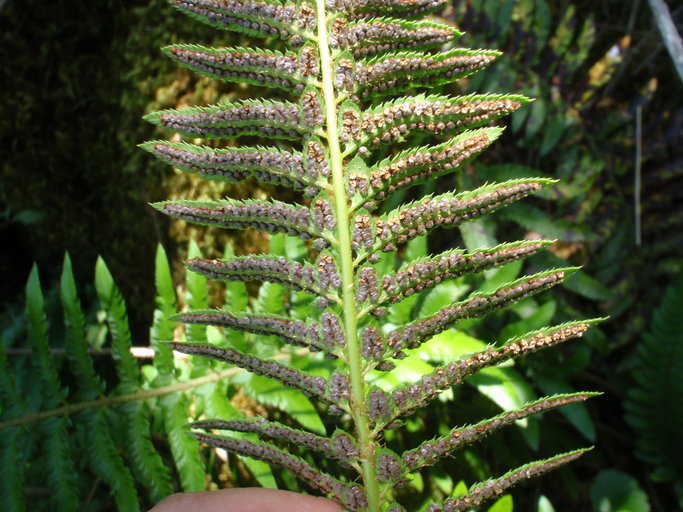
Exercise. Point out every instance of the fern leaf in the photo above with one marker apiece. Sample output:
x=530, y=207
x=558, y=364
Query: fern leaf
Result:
x=404, y=400
x=265, y=118
x=106, y=460
x=185, y=451
x=350, y=496
x=310, y=386
x=147, y=462
x=272, y=217
x=650, y=411
x=163, y=327
x=255, y=67
x=484, y=491
x=258, y=18
x=38, y=340
x=294, y=332
x=449, y=210
x=275, y=430
x=197, y=297
x=413, y=167
x=267, y=165
x=318, y=281
x=393, y=121
x=429, y=452
x=371, y=37
x=392, y=8
x=117, y=320
x=12, y=458
x=61, y=474
x=90, y=384
x=397, y=72
x=428, y=272
x=413, y=334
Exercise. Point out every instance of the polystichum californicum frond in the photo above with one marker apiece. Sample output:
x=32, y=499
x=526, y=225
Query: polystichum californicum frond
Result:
x=351, y=69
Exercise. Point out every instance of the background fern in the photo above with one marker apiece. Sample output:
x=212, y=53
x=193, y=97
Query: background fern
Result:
x=129, y=441
x=654, y=409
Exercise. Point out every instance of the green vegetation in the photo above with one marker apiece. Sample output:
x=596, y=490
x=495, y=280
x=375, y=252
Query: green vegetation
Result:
x=607, y=101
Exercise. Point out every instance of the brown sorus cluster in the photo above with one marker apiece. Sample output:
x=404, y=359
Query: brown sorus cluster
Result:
x=254, y=17
x=277, y=167
x=350, y=496
x=484, y=491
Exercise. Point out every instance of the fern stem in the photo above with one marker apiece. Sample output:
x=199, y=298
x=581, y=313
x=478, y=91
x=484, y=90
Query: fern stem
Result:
x=111, y=401
x=358, y=406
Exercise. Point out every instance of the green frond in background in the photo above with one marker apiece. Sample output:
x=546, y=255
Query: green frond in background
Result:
x=654, y=408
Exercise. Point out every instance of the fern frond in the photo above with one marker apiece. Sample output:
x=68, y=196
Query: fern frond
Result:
x=265, y=118
x=106, y=460
x=449, y=210
x=429, y=452
x=650, y=409
x=407, y=398
x=320, y=281
x=331, y=145
x=117, y=320
x=350, y=496
x=392, y=73
x=258, y=18
x=268, y=165
x=146, y=461
x=484, y=491
x=310, y=386
x=76, y=345
x=255, y=67
x=375, y=36
x=413, y=167
x=12, y=455
x=393, y=121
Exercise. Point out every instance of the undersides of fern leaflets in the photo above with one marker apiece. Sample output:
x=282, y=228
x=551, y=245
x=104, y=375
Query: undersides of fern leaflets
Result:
x=358, y=126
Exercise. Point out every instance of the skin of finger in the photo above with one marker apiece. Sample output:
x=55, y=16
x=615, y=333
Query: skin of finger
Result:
x=246, y=500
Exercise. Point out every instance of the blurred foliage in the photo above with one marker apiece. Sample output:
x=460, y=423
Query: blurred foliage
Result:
x=78, y=78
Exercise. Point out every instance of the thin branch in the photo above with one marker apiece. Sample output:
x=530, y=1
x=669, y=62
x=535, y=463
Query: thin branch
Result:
x=670, y=36
x=638, y=162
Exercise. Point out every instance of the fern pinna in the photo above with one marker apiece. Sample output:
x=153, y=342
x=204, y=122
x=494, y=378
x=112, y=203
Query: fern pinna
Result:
x=354, y=70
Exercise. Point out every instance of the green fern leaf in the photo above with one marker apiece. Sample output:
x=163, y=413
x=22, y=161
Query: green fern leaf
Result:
x=117, y=320
x=654, y=408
